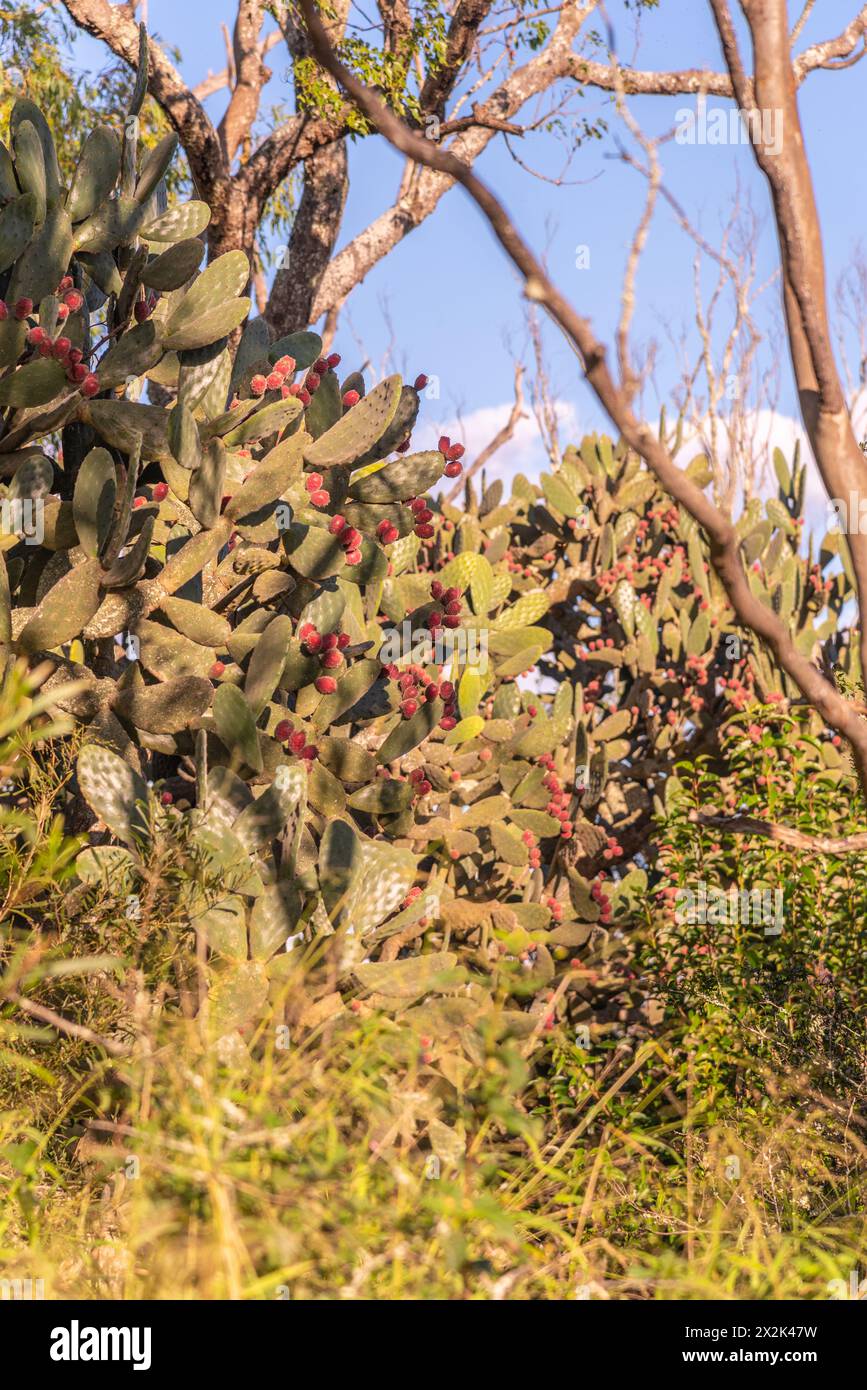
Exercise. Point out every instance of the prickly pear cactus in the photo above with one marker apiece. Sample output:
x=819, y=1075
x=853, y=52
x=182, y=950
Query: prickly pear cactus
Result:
x=358, y=710
x=182, y=555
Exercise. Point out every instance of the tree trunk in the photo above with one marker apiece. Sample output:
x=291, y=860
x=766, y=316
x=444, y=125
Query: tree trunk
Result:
x=311, y=245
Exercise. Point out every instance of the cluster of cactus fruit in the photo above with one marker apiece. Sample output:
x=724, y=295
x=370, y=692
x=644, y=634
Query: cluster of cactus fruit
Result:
x=219, y=570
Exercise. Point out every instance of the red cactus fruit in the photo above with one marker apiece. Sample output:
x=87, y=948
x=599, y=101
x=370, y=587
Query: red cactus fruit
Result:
x=326, y=685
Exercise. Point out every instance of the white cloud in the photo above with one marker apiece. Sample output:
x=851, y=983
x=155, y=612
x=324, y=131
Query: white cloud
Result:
x=783, y=432
x=525, y=451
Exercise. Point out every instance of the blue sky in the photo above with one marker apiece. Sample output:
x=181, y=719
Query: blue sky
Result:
x=448, y=294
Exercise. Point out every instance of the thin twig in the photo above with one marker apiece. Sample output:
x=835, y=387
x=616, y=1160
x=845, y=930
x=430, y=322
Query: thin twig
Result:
x=65, y=1025
x=501, y=437
x=783, y=834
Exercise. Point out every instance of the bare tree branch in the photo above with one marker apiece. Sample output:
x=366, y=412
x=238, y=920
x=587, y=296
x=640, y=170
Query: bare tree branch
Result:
x=231, y=66
x=805, y=15
x=822, y=399
x=420, y=194
x=629, y=381
x=66, y=1025
x=238, y=201
x=420, y=197
x=314, y=233
x=397, y=24
x=250, y=77
x=116, y=27
x=692, y=81
x=316, y=226
x=462, y=35
x=216, y=81
x=783, y=834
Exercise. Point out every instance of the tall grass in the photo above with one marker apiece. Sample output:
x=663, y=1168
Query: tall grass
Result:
x=353, y=1157
x=320, y=1172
